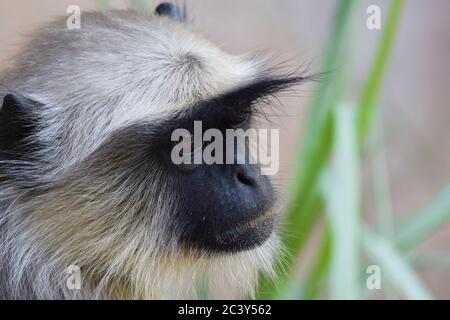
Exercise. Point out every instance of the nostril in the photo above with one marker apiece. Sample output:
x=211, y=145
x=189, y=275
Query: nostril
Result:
x=245, y=178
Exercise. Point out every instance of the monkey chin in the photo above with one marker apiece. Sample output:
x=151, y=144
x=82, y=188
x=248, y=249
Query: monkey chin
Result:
x=229, y=274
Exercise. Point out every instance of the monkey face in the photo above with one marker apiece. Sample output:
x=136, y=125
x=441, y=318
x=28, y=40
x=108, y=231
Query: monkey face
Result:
x=226, y=206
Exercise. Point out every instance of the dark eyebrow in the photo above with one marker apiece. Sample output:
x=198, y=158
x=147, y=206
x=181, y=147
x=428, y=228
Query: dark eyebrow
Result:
x=262, y=88
x=230, y=104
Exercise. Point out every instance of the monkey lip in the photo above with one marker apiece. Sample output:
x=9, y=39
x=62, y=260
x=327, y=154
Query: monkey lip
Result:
x=244, y=236
x=261, y=225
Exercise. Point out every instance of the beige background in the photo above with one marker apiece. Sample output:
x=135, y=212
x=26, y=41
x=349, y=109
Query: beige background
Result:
x=415, y=98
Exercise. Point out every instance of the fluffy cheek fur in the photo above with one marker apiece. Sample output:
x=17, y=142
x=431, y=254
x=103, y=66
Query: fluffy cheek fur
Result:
x=121, y=237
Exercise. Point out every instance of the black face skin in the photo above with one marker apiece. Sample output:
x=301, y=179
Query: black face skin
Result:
x=226, y=208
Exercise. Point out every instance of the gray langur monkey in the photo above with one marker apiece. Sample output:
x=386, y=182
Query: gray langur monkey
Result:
x=85, y=173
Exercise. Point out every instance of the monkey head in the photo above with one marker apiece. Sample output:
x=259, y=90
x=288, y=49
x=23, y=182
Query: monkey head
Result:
x=87, y=177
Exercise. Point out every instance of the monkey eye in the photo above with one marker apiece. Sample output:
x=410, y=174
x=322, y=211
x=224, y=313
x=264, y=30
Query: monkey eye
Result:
x=242, y=119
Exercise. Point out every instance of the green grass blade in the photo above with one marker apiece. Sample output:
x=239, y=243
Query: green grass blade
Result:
x=341, y=188
x=426, y=222
x=380, y=180
x=370, y=92
x=394, y=267
x=380, y=186
x=102, y=4
x=305, y=199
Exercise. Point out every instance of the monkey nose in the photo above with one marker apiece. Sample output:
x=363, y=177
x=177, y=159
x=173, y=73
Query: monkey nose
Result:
x=246, y=175
x=169, y=10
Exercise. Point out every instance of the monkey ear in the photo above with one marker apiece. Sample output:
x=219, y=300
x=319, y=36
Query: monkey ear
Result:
x=16, y=125
x=170, y=10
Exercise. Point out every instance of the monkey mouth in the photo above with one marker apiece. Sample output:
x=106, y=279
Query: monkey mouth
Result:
x=249, y=234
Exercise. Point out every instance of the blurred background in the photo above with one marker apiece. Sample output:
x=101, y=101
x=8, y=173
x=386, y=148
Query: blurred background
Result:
x=365, y=152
